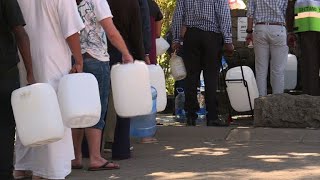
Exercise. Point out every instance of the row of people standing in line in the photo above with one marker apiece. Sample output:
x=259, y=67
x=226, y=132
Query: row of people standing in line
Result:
x=53, y=27
x=276, y=29
x=208, y=28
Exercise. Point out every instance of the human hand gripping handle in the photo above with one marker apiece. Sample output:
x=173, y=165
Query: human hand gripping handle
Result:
x=77, y=68
x=147, y=59
x=127, y=58
x=292, y=40
x=249, y=39
x=229, y=49
x=176, y=46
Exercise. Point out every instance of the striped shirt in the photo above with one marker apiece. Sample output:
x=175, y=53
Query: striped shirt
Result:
x=270, y=11
x=207, y=15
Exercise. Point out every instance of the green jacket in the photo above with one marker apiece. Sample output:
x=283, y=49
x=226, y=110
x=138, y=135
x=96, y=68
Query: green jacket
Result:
x=307, y=15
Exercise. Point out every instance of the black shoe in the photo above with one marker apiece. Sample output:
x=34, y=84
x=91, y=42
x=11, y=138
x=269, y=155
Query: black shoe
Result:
x=221, y=121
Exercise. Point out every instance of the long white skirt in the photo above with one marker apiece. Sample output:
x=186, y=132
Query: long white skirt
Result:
x=52, y=161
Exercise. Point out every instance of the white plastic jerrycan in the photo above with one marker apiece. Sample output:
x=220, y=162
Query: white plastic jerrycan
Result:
x=157, y=80
x=291, y=72
x=237, y=91
x=131, y=89
x=161, y=46
x=79, y=100
x=178, y=70
x=37, y=114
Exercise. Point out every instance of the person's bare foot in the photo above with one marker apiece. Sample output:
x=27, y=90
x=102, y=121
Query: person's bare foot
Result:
x=20, y=174
x=77, y=163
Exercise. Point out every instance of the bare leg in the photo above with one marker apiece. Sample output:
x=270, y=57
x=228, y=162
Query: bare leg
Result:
x=77, y=136
x=94, y=141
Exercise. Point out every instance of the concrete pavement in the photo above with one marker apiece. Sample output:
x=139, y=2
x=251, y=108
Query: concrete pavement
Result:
x=220, y=153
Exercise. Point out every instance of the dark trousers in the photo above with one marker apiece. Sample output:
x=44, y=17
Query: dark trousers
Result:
x=9, y=81
x=202, y=51
x=121, y=143
x=310, y=62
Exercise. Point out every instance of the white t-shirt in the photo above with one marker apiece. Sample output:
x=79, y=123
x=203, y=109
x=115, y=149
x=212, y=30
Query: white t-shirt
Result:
x=93, y=37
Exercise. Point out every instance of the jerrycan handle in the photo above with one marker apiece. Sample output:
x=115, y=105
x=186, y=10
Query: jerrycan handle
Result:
x=154, y=93
x=25, y=94
x=180, y=90
x=174, y=53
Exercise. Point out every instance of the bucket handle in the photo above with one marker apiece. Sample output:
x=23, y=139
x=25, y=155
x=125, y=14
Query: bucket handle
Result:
x=180, y=90
x=174, y=53
x=25, y=94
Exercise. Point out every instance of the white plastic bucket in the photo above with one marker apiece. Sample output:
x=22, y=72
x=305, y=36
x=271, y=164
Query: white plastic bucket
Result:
x=178, y=70
x=157, y=80
x=79, y=100
x=237, y=92
x=131, y=89
x=291, y=72
x=161, y=46
x=37, y=114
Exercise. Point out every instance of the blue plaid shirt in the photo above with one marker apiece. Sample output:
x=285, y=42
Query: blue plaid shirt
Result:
x=207, y=15
x=270, y=11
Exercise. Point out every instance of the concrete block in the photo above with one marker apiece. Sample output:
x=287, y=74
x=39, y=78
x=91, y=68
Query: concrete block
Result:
x=287, y=111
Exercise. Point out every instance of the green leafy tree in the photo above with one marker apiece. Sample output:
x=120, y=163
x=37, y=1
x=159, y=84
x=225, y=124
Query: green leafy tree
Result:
x=167, y=8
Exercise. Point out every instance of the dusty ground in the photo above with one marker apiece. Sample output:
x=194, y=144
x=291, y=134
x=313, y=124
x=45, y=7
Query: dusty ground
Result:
x=220, y=153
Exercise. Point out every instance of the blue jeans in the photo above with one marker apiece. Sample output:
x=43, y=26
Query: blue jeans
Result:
x=101, y=70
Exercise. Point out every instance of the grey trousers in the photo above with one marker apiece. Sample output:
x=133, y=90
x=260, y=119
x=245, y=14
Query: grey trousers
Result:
x=270, y=45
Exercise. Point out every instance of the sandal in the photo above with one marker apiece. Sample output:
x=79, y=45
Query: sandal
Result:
x=105, y=167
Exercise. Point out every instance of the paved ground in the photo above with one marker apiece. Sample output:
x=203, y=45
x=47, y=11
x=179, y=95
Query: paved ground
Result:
x=220, y=153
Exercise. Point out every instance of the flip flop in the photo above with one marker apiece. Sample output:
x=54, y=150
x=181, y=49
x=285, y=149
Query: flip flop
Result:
x=104, y=167
x=77, y=167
